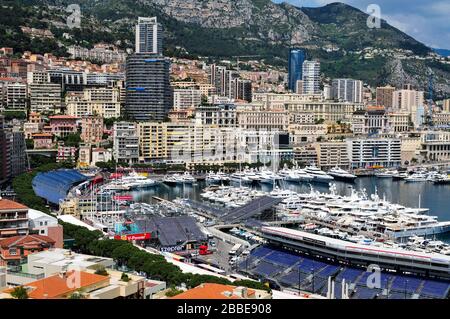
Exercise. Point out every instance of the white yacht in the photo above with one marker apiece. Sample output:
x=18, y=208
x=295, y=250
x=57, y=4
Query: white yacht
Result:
x=340, y=174
x=416, y=177
x=318, y=175
x=137, y=181
x=241, y=178
x=386, y=174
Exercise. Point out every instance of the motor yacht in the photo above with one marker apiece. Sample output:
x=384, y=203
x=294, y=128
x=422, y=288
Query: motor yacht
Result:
x=318, y=175
x=341, y=174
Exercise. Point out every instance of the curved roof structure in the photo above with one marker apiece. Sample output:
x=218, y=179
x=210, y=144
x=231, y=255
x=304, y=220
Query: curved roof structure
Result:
x=54, y=186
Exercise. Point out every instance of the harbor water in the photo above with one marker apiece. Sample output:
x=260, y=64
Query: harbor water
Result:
x=422, y=194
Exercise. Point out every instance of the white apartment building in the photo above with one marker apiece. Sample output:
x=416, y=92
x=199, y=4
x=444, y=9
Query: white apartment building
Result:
x=269, y=120
x=222, y=115
x=104, y=102
x=101, y=155
x=126, y=142
x=311, y=77
x=398, y=121
x=186, y=98
x=13, y=96
x=369, y=152
x=347, y=90
x=407, y=100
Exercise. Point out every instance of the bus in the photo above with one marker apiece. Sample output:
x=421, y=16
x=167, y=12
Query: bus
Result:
x=233, y=252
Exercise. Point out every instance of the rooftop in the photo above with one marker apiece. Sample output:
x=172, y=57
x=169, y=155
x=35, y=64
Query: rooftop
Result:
x=212, y=291
x=28, y=240
x=6, y=204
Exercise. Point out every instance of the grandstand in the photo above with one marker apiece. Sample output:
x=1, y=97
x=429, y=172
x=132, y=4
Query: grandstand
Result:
x=288, y=269
x=54, y=186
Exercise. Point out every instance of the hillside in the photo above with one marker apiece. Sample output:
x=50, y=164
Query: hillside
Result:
x=336, y=34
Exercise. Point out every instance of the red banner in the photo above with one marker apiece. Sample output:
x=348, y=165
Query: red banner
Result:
x=131, y=237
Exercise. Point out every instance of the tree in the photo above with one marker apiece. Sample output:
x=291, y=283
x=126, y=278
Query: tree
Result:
x=125, y=277
x=19, y=293
x=101, y=271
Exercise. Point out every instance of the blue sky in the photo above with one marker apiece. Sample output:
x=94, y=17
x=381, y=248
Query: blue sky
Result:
x=427, y=21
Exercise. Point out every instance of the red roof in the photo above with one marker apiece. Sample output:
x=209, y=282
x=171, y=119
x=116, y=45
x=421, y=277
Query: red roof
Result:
x=25, y=240
x=63, y=117
x=6, y=204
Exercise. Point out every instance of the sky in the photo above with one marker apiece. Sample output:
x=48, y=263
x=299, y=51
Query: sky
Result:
x=428, y=21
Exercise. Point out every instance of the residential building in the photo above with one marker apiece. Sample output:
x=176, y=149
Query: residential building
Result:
x=311, y=77
x=371, y=121
x=347, y=90
x=411, y=147
x=45, y=97
x=148, y=91
x=13, y=95
x=65, y=153
x=305, y=154
x=101, y=155
x=407, y=100
x=295, y=68
x=149, y=36
x=5, y=152
x=46, y=225
x=299, y=87
x=91, y=129
x=385, y=96
x=186, y=98
x=242, y=90
x=42, y=141
x=440, y=118
x=14, y=250
x=84, y=155
x=399, y=121
x=370, y=152
x=63, y=125
x=223, y=115
x=13, y=218
x=332, y=154
x=18, y=155
x=101, y=101
x=126, y=142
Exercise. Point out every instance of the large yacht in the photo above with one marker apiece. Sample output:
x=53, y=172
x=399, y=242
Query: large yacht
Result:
x=340, y=174
x=318, y=175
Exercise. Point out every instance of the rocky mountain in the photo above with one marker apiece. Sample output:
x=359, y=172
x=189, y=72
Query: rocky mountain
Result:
x=337, y=34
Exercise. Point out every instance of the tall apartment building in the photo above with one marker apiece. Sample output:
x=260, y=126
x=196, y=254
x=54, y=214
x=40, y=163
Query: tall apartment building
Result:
x=311, y=77
x=242, y=90
x=385, y=96
x=45, y=97
x=38, y=77
x=149, y=94
x=296, y=59
x=126, y=142
x=347, y=90
x=101, y=101
x=91, y=129
x=19, y=159
x=149, y=36
x=407, y=100
x=186, y=98
x=369, y=152
x=13, y=96
x=5, y=152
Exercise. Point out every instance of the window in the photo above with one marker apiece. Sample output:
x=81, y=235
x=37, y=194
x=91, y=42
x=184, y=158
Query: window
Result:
x=13, y=251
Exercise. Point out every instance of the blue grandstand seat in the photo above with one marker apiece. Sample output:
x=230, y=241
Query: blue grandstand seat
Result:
x=435, y=289
x=402, y=283
x=365, y=293
x=283, y=258
x=266, y=269
x=261, y=251
x=328, y=271
x=291, y=279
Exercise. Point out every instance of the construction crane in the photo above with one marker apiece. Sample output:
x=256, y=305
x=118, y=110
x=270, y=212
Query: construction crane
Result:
x=243, y=56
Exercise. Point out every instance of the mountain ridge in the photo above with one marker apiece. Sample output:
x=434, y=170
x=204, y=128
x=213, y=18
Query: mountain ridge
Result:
x=336, y=34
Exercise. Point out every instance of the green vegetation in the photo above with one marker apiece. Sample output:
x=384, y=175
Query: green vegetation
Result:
x=154, y=266
x=19, y=293
x=125, y=277
x=10, y=115
x=101, y=271
x=173, y=292
x=72, y=140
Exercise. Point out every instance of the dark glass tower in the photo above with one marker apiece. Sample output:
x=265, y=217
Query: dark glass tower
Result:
x=296, y=59
x=148, y=92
